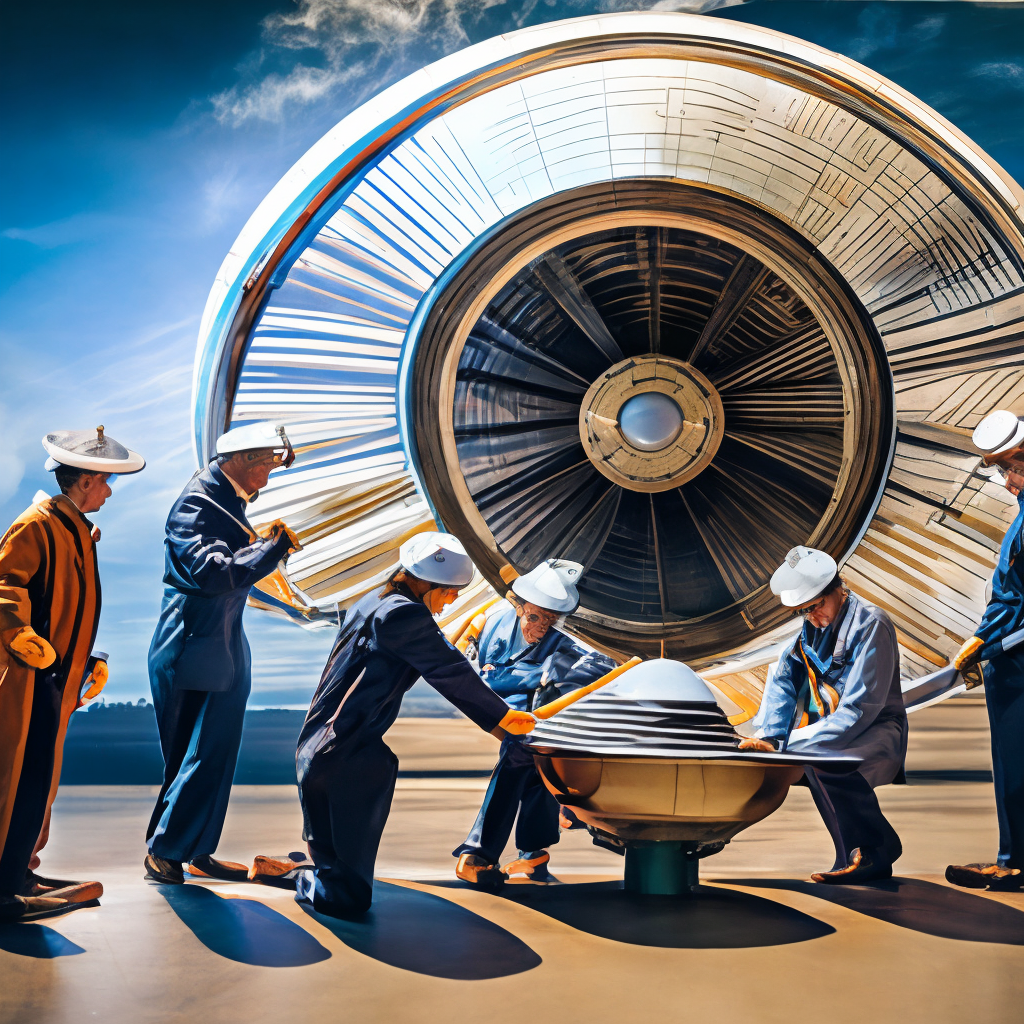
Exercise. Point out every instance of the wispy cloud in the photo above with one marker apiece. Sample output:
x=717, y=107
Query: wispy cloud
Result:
x=362, y=45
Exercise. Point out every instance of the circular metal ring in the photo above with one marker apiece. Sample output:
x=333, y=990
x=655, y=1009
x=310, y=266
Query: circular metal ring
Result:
x=644, y=444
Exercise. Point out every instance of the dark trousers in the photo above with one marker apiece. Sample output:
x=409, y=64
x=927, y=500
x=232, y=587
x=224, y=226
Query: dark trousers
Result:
x=515, y=786
x=346, y=798
x=849, y=808
x=200, y=733
x=1004, y=697
x=33, y=784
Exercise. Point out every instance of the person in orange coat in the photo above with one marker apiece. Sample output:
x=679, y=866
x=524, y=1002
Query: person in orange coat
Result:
x=49, y=611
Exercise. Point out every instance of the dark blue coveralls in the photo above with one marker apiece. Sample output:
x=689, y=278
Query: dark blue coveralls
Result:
x=514, y=672
x=346, y=771
x=199, y=666
x=1004, y=691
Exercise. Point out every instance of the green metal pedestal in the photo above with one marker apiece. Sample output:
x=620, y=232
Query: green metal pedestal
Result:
x=661, y=868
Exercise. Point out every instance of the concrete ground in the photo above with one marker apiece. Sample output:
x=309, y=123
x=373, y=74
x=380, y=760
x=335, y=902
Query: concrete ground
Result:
x=758, y=943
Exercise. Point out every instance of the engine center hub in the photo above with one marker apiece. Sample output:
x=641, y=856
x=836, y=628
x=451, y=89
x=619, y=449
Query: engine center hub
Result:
x=650, y=423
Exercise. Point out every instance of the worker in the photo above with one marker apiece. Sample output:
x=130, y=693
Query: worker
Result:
x=999, y=641
x=836, y=690
x=49, y=611
x=199, y=667
x=522, y=653
x=346, y=771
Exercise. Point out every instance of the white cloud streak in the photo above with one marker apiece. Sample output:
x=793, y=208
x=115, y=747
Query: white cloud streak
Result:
x=363, y=45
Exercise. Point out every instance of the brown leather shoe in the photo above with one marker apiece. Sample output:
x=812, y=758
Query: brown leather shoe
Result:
x=31, y=908
x=533, y=865
x=62, y=888
x=281, y=872
x=206, y=866
x=479, y=872
x=863, y=867
x=985, y=876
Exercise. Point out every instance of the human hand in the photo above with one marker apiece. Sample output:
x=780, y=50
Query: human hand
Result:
x=970, y=647
x=99, y=676
x=278, y=527
x=518, y=723
x=31, y=649
x=753, y=743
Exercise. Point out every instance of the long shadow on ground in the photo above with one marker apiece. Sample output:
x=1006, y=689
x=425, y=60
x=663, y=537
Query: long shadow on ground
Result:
x=245, y=931
x=709, y=918
x=37, y=941
x=916, y=904
x=420, y=932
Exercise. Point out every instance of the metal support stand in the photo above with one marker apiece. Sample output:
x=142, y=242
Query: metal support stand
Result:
x=661, y=868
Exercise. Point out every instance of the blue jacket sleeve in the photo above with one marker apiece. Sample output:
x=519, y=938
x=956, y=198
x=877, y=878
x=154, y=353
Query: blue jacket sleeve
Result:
x=779, y=701
x=1005, y=611
x=409, y=633
x=865, y=691
x=198, y=550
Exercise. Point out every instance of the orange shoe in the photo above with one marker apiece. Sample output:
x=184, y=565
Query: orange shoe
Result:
x=533, y=865
x=206, y=866
x=281, y=872
x=479, y=872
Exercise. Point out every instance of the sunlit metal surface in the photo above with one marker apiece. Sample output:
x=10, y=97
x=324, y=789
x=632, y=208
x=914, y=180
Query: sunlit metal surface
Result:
x=419, y=302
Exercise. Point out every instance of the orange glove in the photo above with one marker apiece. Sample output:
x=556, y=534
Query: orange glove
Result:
x=276, y=528
x=100, y=675
x=518, y=723
x=31, y=649
x=753, y=743
x=971, y=646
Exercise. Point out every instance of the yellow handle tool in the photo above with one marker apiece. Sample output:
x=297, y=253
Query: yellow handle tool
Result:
x=561, y=703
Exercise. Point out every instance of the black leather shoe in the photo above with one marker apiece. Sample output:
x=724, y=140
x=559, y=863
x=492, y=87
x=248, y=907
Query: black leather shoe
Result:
x=226, y=870
x=863, y=867
x=166, y=871
x=985, y=876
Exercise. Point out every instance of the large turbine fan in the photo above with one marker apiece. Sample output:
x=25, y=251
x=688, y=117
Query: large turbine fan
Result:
x=633, y=292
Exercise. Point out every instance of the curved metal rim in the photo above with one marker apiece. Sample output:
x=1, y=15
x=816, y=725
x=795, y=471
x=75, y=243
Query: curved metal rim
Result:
x=244, y=281
x=449, y=310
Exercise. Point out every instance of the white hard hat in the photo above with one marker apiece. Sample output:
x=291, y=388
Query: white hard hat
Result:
x=1000, y=431
x=252, y=436
x=437, y=558
x=552, y=585
x=91, y=450
x=802, y=577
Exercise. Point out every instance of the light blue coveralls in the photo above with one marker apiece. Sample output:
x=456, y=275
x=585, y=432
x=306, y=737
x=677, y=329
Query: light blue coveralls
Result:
x=857, y=655
x=513, y=669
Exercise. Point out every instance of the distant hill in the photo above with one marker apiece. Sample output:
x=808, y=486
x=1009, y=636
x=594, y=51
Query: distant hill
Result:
x=117, y=744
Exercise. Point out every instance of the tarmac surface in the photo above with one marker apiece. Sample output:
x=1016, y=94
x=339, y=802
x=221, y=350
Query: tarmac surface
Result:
x=757, y=943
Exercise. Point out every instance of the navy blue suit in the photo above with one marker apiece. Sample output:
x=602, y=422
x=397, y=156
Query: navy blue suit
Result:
x=346, y=771
x=1004, y=691
x=199, y=666
x=514, y=672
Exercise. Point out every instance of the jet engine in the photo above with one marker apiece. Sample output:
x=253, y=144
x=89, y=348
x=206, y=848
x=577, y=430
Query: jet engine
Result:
x=662, y=294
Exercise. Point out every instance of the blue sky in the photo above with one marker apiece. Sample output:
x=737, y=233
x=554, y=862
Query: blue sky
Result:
x=138, y=138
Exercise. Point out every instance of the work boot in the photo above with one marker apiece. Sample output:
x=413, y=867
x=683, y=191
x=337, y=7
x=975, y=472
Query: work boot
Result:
x=534, y=865
x=985, y=876
x=61, y=888
x=162, y=870
x=479, y=872
x=31, y=908
x=282, y=872
x=863, y=867
x=206, y=866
